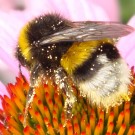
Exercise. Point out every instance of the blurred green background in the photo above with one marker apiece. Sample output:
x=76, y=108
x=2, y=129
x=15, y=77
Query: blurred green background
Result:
x=127, y=9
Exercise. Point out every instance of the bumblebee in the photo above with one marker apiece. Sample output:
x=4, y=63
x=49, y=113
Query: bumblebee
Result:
x=52, y=46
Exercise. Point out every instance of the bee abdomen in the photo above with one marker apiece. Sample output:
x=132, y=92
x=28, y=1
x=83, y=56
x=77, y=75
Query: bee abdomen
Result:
x=104, y=75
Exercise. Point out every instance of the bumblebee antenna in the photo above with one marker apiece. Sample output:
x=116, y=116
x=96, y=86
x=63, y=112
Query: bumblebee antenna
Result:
x=33, y=82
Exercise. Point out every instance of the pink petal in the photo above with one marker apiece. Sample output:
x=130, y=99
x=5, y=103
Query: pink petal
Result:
x=10, y=27
x=126, y=45
x=68, y=8
x=111, y=8
x=79, y=10
x=3, y=90
x=132, y=21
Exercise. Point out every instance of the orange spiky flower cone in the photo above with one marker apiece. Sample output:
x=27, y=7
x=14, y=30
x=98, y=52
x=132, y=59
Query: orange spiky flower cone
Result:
x=46, y=115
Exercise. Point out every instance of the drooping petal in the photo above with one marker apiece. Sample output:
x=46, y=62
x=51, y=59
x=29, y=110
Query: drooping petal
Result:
x=126, y=45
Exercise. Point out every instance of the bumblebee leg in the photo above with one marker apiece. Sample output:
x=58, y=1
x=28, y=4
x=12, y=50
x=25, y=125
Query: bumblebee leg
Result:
x=62, y=80
x=20, y=70
x=33, y=81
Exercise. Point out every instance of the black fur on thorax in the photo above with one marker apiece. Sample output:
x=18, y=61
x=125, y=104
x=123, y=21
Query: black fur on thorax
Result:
x=45, y=26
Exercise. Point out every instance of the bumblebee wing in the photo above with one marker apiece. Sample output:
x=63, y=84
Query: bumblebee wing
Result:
x=89, y=30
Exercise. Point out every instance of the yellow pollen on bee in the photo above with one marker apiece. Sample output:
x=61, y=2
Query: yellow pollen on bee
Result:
x=126, y=97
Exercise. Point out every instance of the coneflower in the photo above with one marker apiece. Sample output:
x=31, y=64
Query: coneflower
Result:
x=46, y=114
